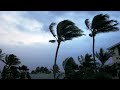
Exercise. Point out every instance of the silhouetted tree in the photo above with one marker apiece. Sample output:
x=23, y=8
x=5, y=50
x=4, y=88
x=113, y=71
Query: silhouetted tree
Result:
x=100, y=24
x=14, y=72
x=2, y=55
x=41, y=70
x=56, y=69
x=66, y=30
x=86, y=70
x=10, y=62
x=69, y=66
x=24, y=74
x=103, y=56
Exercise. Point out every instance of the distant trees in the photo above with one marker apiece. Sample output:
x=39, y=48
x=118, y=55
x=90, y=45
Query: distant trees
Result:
x=66, y=30
x=41, y=70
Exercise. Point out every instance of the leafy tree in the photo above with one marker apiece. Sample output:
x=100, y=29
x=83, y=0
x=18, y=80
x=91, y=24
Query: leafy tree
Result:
x=10, y=69
x=24, y=74
x=69, y=66
x=86, y=68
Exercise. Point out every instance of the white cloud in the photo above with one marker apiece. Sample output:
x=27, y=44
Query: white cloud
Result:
x=16, y=27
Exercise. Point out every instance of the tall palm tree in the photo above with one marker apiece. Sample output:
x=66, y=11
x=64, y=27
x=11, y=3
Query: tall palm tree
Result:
x=66, y=30
x=100, y=24
x=103, y=56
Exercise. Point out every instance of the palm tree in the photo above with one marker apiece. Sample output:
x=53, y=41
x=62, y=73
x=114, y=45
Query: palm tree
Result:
x=12, y=60
x=100, y=24
x=86, y=66
x=66, y=30
x=69, y=66
x=24, y=74
x=103, y=56
x=87, y=59
x=9, y=61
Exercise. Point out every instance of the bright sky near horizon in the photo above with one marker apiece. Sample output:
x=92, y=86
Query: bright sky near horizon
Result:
x=26, y=34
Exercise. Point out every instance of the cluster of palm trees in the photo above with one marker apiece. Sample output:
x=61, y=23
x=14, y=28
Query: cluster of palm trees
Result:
x=67, y=30
x=85, y=68
x=12, y=68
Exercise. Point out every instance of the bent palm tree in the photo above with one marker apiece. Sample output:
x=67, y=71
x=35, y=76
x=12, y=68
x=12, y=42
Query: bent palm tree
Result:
x=66, y=30
x=100, y=24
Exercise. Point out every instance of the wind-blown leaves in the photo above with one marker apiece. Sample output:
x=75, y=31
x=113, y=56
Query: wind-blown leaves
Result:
x=87, y=23
x=101, y=23
x=51, y=29
x=103, y=56
x=12, y=60
x=2, y=55
x=52, y=41
x=86, y=59
x=62, y=26
x=66, y=30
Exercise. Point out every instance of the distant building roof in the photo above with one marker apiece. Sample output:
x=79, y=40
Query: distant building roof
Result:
x=114, y=46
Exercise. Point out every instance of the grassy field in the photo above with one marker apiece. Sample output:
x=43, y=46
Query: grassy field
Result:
x=42, y=76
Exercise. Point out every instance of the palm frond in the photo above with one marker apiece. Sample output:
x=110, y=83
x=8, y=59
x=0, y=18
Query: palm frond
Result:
x=101, y=23
x=66, y=30
x=99, y=18
x=103, y=56
x=87, y=23
x=51, y=29
x=52, y=41
x=62, y=25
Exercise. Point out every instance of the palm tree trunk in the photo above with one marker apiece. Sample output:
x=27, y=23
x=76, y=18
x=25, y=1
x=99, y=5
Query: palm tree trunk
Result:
x=54, y=72
x=94, y=53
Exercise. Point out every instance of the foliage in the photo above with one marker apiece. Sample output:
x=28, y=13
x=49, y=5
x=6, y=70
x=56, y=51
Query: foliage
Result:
x=69, y=66
x=41, y=70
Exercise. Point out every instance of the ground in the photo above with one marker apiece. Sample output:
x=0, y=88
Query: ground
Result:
x=42, y=76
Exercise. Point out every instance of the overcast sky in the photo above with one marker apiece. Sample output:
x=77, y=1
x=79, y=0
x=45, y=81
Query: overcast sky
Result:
x=26, y=34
